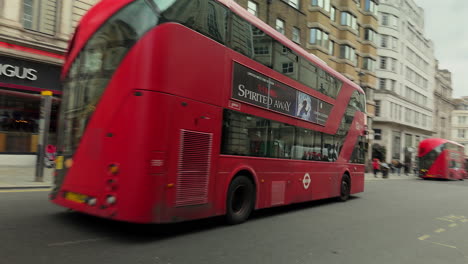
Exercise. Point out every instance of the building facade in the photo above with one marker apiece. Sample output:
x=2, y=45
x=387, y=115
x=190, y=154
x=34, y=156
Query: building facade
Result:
x=406, y=74
x=443, y=103
x=460, y=122
x=340, y=32
x=33, y=40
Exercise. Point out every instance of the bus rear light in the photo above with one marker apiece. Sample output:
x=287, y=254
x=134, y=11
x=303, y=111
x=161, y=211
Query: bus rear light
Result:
x=113, y=169
x=91, y=201
x=110, y=199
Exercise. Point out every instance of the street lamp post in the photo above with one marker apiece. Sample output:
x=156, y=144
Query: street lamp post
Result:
x=44, y=122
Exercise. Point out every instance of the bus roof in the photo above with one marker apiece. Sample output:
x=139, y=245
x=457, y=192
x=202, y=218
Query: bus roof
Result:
x=239, y=10
x=429, y=144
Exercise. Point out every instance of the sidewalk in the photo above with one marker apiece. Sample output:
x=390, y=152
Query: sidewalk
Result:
x=391, y=176
x=23, y=177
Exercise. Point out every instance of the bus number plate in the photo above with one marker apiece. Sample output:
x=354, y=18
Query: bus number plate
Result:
x=75, y=197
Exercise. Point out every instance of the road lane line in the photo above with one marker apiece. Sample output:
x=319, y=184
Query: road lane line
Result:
x=444, y=245
x=464, y=220
x=424, y=237
x=445, y=219
x=452, y=225
x=26, y=190
x=440, y=230
x=66, y=243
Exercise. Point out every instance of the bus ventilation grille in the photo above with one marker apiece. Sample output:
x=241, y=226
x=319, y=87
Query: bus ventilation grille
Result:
x=194, y=168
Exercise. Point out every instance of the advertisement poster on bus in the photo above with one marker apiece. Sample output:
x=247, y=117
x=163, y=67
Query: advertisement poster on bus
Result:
x=255, y=88
x=306, y=105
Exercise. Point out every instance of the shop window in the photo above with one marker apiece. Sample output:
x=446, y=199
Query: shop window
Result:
x=19, y=122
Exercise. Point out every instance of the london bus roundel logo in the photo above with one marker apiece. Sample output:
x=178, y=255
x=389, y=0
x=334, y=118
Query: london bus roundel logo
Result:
x=306, y=181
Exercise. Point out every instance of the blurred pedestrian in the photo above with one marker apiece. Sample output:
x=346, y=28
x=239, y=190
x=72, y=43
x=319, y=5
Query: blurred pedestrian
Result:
x=384, y=167
x=376, y=166
x=398, y=167
x=407, y=168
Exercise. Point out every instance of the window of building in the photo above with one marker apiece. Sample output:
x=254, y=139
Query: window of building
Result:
x=252, y=7
x=371, y=6
x=384, y=19
x=333, y=13
x=369, y=34
x=383, y=41
x=288, y=67
x=462, y=120
x=347, y=19
x=377, y=134
x=293, y=3
x=296, y=35
x=393, y=65
x=368, y=64
x=393, y=85
x=40, y=15
x=325, y=4
x=461, y=133
x=383, y=63
x=319, y=37
x=377, y=107
x=280, y=26
x=331, y=47
x=382, y=83
x=347, y=52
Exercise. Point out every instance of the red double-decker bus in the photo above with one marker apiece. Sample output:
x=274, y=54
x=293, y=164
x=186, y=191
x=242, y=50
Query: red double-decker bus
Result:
x=184, y=109
x=441, y=158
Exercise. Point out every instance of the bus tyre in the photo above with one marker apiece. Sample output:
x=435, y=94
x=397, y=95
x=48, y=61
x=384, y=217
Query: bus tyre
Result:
x=240, y=200
x=345, y=188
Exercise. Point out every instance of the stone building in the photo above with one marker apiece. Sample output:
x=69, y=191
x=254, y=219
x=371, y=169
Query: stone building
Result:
x=443, y=103
x=405, y=71
x=33, y=40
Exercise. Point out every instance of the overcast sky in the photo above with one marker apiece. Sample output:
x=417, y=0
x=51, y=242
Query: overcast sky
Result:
x=445, y=25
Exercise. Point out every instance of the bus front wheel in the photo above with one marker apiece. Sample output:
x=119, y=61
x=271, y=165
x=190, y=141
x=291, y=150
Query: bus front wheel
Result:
x=240, y=200
x=345, y=188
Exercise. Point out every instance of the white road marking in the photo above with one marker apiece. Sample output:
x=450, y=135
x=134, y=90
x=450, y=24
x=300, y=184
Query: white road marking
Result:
x=66, y=243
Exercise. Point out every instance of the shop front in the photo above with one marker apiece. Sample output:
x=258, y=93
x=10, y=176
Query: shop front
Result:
x=21, y=82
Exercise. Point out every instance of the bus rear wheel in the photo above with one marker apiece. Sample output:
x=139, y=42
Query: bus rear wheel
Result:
x=240, y=200
x=345, y=188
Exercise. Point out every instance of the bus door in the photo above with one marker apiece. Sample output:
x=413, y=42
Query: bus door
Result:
x=193, y=144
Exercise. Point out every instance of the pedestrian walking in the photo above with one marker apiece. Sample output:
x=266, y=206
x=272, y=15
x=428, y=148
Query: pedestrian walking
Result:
x=376, y=166
x=407, y=168
x=398, y=167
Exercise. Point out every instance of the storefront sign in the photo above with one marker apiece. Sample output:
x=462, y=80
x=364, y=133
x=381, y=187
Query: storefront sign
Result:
x=252, y=87
x=18, y=72
x=28, y=73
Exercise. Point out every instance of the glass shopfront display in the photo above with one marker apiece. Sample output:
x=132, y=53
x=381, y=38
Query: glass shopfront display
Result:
x=19, y=121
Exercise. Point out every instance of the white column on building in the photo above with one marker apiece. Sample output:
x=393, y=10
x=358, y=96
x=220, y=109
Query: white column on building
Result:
x=11, y=12
x=65, y=29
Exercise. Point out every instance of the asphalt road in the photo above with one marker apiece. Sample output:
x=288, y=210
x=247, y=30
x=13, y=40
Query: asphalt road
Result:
x=393, y=221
